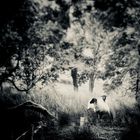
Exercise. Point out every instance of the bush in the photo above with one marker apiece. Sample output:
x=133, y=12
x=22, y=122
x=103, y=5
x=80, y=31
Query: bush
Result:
x=63, y=119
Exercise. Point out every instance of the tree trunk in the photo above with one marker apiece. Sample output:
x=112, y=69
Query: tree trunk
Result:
x=138, y=80
x=32, y=132
x=1, y=87
x=138, y=86
x=74, y=78
x=91, y=82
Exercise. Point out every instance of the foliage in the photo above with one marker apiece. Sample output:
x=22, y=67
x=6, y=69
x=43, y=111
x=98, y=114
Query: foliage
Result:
x=28, y=37
x=118, y=13
x=38, y=47
x=56, y=36
x=123, y=17
x=14, y=36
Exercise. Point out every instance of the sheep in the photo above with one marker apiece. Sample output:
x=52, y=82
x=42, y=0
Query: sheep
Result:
x=100, y=106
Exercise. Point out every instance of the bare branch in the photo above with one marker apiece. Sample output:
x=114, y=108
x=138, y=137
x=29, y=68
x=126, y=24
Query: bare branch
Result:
x=23, y=134
x=34, y=106
x=17, y=88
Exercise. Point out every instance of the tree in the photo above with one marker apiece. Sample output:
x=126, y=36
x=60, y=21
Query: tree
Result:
x=124, y=17
x=15, y=22
x=45, y=44
x=32, y=39
x=90, y=44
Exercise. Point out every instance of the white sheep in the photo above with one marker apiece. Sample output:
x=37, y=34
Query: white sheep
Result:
x=100, y=106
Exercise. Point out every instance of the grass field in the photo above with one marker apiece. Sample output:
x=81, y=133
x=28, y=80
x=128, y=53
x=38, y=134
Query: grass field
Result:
x=72, y=123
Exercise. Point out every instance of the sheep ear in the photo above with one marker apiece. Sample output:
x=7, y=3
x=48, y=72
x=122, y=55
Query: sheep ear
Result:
x=94, y=100
x=104, y=97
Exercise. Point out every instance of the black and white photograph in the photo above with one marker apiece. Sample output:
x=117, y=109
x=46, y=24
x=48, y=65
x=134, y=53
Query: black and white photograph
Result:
x=69, y=70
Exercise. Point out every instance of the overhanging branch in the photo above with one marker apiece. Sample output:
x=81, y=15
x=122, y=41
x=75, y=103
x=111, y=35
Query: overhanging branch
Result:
x=17, y=88
x=35, y=107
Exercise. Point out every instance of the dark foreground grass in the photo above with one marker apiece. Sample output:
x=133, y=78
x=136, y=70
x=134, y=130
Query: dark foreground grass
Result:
x=77, y=133
x=66, y=133
x=81, y=133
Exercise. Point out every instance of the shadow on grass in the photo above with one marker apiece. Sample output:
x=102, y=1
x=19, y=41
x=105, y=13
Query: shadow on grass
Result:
x=133, y=131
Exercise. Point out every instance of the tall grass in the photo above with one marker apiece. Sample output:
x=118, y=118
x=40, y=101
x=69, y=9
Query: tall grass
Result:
x=68, y=108
x=55, y=102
